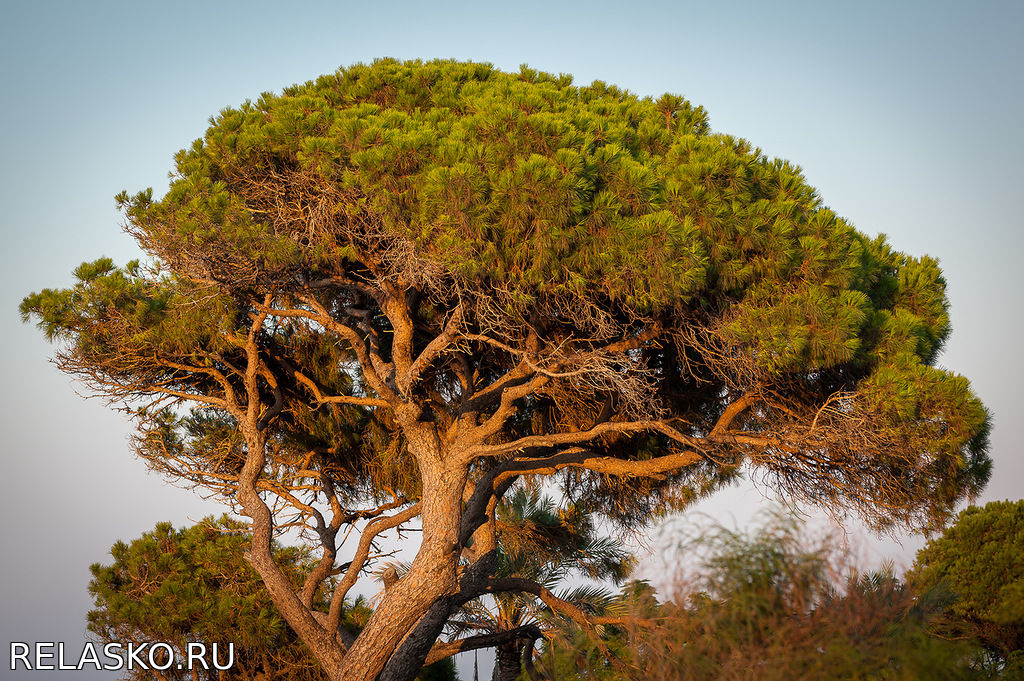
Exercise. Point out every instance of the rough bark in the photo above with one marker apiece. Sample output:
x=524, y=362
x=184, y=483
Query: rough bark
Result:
x=506, y=662
x=432, y=575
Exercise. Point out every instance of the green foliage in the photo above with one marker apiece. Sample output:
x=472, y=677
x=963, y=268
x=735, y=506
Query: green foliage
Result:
x=545, y=544
x=577, y=654
x=442, y=670
x=405, y=276
x=193, y=585
x=534, y=198
x=978, y=562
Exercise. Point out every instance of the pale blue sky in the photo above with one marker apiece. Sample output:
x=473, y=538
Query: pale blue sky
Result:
x=905, y=115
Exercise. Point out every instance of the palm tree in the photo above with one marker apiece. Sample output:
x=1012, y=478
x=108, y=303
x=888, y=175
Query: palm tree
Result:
x=543, y=543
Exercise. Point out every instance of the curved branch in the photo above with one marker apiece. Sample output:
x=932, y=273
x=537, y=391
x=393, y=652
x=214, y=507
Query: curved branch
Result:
x=434, y=349
x=337, y=399
x=445, y=649
x=606, y=465
x=730, y=413
x=225, y=384
x=357, y=343
x=359, y=559
x=579, y=437
x=328, y=534
x=506, y=408
x=567, y=609
x=495, y=482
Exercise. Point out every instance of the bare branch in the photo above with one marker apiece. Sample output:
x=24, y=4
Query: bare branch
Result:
x=359, y=559
x=563, y=439
x=444, y=649
x=435, y=348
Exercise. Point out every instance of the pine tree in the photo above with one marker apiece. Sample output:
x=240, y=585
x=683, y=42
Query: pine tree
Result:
x=192, y=586
x=978, y=564
x=383, y=296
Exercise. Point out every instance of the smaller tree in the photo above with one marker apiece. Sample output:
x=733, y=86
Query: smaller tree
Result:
x=192, y=585
x=543, y=545
x=578, y=653
x=979, y=561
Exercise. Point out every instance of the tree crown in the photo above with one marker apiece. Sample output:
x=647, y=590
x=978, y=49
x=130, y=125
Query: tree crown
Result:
x=566, y=217
x=977, y=560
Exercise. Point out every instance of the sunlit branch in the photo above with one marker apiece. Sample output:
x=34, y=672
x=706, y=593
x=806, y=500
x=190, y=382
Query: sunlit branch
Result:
x=446, y=649
x=374, y=528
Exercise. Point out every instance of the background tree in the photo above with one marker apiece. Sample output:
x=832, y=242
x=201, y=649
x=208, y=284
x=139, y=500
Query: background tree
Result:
x=979, y=562
x=581, y=653
x=192, y=585
x=382, y=297
x=539, y=542
x=774, y=603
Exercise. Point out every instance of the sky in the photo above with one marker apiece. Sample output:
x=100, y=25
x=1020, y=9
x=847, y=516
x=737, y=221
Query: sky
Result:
x=905, y=115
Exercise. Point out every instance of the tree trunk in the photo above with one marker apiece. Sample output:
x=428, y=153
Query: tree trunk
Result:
x=506, y=662
x=431, y=576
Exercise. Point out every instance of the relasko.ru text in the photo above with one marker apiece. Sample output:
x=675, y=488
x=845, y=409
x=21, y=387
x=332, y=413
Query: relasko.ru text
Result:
x=114, y=656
